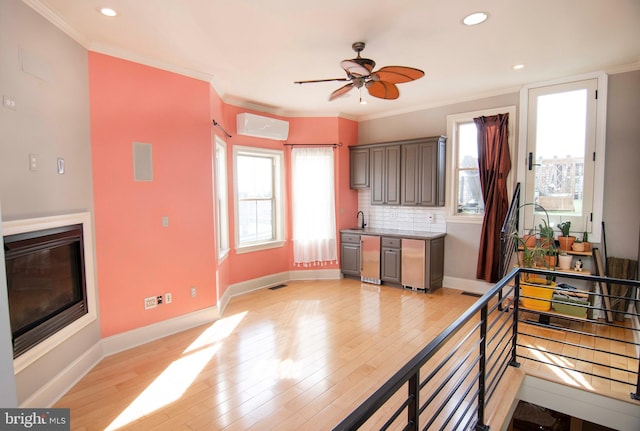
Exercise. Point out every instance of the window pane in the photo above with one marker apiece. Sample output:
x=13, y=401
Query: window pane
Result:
x=469, y=191
x=255, y=220
x=560, y=149
x=255, y=176
x=467, y=146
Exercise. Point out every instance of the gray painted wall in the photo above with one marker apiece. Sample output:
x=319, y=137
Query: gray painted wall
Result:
x=461, y=243
x=622, y=166
x=46, y=73
x=8, y=391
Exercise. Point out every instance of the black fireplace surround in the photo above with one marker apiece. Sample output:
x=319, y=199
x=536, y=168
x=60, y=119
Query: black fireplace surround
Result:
x=45, y=283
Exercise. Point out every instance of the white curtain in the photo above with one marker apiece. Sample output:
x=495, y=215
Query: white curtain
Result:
x=314, y=215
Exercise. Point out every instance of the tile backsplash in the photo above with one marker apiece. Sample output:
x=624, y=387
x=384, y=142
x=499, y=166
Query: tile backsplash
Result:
x=401, y=217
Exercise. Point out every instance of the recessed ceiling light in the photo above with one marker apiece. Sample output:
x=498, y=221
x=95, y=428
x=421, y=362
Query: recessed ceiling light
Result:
x=518, y=67
x=475, y=18
x=106, y=11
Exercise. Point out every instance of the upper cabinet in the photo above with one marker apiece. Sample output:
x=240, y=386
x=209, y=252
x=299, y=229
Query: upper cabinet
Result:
x=359, y=168
x=410, y=172
x=385, y=175
x=423, y=172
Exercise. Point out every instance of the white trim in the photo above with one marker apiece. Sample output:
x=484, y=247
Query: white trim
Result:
x=55, y=388
x=139, y=336
x=316, y=274
x=35, y=224
x=467, y=285
x=451, y=156
x=601, y=129
x=279, y=197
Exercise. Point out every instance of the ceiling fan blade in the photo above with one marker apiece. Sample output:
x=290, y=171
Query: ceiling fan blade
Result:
x=383, y=89
x=321, y=80
x=398, y=74
x=355, y=69
x=340, y=91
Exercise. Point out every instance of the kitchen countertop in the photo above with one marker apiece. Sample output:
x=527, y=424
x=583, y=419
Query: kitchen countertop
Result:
x=412, y=234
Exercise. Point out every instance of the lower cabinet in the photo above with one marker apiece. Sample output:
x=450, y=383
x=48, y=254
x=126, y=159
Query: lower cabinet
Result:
x=350, y=254
x=390, y=259
x=414, y=263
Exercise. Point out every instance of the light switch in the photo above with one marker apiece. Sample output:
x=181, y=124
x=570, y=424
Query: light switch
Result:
x=165, y=221
x=60, y=165
x=33, y=162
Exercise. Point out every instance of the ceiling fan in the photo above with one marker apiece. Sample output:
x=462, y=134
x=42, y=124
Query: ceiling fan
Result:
x=381, y=83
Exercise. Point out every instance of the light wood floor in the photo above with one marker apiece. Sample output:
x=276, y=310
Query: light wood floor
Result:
x=296, y=358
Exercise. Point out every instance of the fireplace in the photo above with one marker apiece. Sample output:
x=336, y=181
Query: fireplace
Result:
x=49, y=282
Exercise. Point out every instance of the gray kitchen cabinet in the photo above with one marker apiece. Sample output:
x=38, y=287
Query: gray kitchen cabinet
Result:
x=358, y=168
x=423, y=172
x=384, y=176
x=350, y=254
x=390, y=259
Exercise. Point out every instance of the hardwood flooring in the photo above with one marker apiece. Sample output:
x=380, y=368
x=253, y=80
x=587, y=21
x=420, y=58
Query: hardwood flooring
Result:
x=297, y=358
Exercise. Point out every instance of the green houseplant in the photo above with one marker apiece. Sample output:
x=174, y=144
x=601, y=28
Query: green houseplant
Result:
x=537, y=291
x=565, y=240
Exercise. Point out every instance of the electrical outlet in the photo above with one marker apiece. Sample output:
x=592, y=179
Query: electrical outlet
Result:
x=159, y=298
x=431, y=218
x=194, y=292
x=150, y=302
x=167, y=298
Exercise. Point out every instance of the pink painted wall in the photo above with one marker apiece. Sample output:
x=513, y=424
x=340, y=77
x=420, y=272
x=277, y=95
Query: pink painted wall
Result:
x=136, y=256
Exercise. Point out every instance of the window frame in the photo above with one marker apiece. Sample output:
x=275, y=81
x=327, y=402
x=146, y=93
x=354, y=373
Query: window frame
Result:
x=221, y=198
x=600, y=141
x=277, y=157
x=453, y=121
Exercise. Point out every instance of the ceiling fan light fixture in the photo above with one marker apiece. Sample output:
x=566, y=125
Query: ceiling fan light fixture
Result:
x=475, y=18
x=518, y=66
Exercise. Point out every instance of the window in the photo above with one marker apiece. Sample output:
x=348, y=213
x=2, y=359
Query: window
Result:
x=314, y=216
x=465, y=202
x=258, y=198
x=563, y=144
x=222, y=210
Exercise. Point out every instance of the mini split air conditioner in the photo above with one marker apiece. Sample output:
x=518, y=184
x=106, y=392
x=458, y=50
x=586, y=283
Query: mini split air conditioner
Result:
x=262, y=127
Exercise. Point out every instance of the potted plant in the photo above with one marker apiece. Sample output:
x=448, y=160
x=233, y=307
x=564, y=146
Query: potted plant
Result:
x=537, y=291
x=565, y=240
x=578, y=245
x=585, y=241
x=564, y=260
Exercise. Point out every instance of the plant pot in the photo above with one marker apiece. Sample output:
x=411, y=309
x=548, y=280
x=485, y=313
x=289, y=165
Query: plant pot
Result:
x=564, y=261
x=587, y=246
x=578, y=246
x=536, y=287
x=550, y=261
x=529, y=240
x=566, y=242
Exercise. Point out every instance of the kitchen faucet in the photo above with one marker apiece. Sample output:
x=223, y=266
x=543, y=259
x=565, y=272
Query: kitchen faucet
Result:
x=358, y=219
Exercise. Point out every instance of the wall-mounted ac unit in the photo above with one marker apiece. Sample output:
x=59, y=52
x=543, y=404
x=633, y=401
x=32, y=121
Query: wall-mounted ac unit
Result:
x=262, y=127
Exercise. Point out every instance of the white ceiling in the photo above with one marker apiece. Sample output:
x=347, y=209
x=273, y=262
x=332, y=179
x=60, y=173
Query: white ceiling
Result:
x=253, y=50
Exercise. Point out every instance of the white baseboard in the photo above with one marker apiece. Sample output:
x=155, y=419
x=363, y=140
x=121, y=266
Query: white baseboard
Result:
x=51, y=391
x=474, y=286
x=316, y=274
x=136, y=337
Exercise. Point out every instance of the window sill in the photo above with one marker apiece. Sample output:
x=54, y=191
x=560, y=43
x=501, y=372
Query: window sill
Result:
x=260, y=246
x=469, y=219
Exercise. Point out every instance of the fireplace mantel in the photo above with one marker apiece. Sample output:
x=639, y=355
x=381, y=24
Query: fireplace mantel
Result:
x=42, y=223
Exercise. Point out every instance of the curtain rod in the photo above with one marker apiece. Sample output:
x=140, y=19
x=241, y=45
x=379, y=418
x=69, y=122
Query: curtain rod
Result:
x=339, y=144
x=215, y=123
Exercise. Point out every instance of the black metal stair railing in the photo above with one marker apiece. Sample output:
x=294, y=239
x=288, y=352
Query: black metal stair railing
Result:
x=466, y=362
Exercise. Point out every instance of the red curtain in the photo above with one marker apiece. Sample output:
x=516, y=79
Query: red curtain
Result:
x=494, y=163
